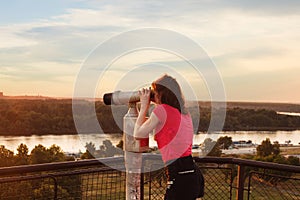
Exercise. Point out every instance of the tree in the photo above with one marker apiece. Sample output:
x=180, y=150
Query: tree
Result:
x=56, y=154
x=22, y=157
x=267, y=149
x=211, y=148
x=276, y=148
x=224, y=142
x=6, y=157
x=39, y=155
x=89, y=152
x=108, y=150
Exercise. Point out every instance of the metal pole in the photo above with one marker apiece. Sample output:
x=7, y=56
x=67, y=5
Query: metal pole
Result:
x=241, y=182
x=133, y=158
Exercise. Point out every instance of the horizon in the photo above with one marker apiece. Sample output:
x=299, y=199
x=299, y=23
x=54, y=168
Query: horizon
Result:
x=101, y=98
x=254, y=47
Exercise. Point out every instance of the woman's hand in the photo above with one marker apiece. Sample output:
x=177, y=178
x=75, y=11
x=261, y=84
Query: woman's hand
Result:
x=142, y=126
x=145, y=98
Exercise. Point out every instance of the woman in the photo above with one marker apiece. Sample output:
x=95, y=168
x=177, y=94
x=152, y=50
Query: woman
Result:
x=174, y=136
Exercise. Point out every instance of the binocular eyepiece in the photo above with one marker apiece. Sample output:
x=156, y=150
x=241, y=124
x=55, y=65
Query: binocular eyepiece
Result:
x=123, y=98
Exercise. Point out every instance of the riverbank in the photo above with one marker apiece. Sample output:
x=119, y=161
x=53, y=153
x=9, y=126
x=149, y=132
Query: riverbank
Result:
x=76, y=143
x=290, y=150
x=284, y=150
x=249, y=129
x=263, y=129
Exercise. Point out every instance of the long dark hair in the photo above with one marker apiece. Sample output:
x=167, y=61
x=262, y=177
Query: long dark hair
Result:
x=170, y=93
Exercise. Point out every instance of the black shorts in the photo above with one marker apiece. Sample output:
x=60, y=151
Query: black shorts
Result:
x=185, y=180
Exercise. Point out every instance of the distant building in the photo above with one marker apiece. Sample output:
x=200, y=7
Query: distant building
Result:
x=1, y=94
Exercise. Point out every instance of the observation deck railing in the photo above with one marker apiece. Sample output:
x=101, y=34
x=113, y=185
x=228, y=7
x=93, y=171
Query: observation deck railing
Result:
x=225, y=178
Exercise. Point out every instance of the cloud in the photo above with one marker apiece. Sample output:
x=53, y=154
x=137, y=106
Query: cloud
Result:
x=39, y=71
x=267, y=7
x=242, y=37
x=9, y=37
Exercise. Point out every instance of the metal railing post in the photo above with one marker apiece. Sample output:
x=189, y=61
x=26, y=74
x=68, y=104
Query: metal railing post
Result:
x=142, y=185
x=241, y=182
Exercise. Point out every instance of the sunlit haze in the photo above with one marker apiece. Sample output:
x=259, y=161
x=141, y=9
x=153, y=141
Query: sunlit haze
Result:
x=255, y=45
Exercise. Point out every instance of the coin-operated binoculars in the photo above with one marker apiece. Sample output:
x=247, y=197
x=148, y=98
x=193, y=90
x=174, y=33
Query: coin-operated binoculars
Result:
x=133, y=147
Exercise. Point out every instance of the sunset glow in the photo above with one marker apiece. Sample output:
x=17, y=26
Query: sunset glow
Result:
x=255, y=46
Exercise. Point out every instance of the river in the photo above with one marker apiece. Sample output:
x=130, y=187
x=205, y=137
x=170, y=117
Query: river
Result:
x=76, y=143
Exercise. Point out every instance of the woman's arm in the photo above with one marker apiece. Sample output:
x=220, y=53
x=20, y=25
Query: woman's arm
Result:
x=142, y=126
x=143, y=130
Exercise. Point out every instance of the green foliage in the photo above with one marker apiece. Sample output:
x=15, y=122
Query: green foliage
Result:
x=258, y=119
x=266, y=149
x=292, y=160
x=27, y=117
x=211, y=148
x=110, y=117
x=105, y=150
x=56, y=154
x=90, y=151
x=46, y=190
x=6, y=157
x=108, y=150
x=224, y=142
x=38, y=155
x=22, y=157
x=37, y=189
x=41, y=154
x=276, y=148
x=8, y=191
x=268, y=152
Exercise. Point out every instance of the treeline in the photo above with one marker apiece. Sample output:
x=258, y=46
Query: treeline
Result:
x=41, y=154
x=69, y=187
x=261, y=119
x=27, y=117
x=240, y=119
x=40, y=117
x=38, y=155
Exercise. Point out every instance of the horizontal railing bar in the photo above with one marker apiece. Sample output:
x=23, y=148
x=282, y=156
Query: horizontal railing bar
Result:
x=5, y=171
x=249, y=163
x=268, y=165
x=273, y=175
x=24, y=178
x=85, y=171
x=53, y=175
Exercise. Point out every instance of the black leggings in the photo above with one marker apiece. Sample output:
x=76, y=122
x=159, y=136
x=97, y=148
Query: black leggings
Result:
x=185, y=180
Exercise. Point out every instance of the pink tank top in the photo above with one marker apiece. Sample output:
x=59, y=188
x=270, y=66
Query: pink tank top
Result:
x=174, y=134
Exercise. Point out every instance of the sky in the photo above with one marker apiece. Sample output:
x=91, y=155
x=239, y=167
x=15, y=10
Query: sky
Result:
x=254, y=45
